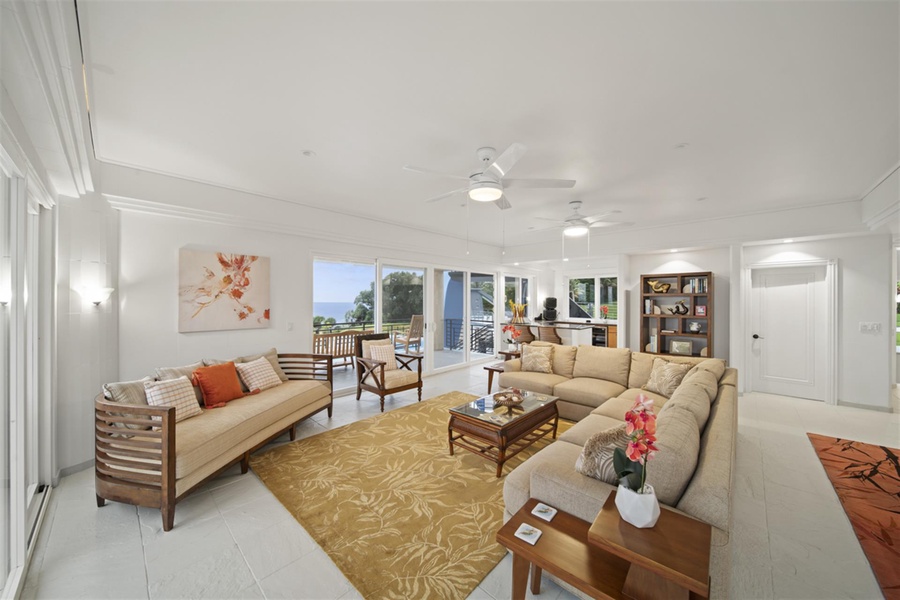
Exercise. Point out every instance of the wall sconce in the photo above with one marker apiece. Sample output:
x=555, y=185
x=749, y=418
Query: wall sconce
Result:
x=95, y=295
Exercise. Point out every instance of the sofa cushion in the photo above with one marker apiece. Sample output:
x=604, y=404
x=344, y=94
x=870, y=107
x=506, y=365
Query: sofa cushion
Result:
x=730, y=377
x=642, y=364
x=563, y=357
x=220, y=384
x=611, y=364
x=558, y=484
x=537, y=359
x=394, y=379
x=517, y=486
x=678, y=441
x=258, y=374
x=213, y=433
x=166, y=373
x=582, y=431
x=270, y=355
x=705, y=379
x=587, y=391
x=596, y=458
x=174, y=392
x=127, y=392
x=716, y=366
x=542, y=383
x=665, y=377
x=691, y=396
x=618, y=406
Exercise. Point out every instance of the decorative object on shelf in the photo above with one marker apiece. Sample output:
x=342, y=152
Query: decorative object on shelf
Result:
x=700, y=310
x=680, y=347
x=512, y=334
x=510, y=400
x=659, y=287
x=694, y=326
x=549, y=313
x=656, y=310
x=635, y=500
x=679, y=309
x=518, y=312
x=704, y=351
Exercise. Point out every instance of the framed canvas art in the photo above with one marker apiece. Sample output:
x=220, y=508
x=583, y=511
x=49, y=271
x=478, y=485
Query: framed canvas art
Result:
x=679, y=347
x=219, y=291
x=700, y=310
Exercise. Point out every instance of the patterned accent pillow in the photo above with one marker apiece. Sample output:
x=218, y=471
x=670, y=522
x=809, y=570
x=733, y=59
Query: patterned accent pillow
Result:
x=537, y=359
x=384, y=352
x=368, y=344
x=164, y=373
x=596, y=458
x=666, y=377
x=270, y=355
x=174, y=392
x=258, y=374
x=127, y=392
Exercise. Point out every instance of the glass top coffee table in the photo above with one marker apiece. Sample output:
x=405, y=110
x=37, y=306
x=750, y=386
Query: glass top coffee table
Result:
x=498, y=434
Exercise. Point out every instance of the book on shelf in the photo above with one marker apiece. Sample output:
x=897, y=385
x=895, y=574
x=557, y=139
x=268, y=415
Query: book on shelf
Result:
x=667, y=331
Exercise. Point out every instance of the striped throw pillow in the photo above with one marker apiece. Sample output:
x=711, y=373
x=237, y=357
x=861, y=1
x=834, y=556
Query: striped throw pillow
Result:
x=174, y=392
x=666, y=377
x=384, y=352
x=596, y=459
x=258, y=374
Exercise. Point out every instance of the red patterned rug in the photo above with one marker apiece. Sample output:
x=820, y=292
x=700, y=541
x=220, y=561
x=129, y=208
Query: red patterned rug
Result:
x=867, y=481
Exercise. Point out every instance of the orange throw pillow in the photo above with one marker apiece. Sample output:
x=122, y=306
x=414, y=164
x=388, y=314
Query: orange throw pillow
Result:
x=219, y=384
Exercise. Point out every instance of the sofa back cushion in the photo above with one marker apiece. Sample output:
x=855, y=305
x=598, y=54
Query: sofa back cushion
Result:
x=127, y=392
x=537, y=359
x=611, y=364
x=642, y=365
x=716, y=366
x=691, y=395
x=563, y=358
x=167, y=373
x=174, y=392
x=270, y=355
x=678, y=441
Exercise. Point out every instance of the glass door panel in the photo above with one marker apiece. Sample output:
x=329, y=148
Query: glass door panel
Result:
x=402, y=298
x=449, y=337
x=5, y=324
x=481, y=315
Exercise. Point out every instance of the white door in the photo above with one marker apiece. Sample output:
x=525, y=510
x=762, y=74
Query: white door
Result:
x=789, y=331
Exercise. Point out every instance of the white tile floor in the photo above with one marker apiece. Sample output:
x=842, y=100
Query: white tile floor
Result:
x=232, y=539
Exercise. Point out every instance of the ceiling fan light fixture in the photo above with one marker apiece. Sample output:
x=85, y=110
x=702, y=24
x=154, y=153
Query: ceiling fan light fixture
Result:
x=485, y=191
x=575, y=230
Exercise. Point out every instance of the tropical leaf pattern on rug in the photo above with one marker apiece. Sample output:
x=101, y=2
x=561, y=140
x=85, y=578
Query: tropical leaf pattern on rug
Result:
x=397, y=514
x=867, y=481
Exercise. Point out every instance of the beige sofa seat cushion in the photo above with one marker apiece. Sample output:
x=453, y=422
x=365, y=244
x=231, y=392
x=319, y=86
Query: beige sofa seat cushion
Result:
x=394, y=379
x=678, y=441
x=542, y=383
x=618, y=406
x=558, y=484
x=587, y=391
x=707, y=496
x=563, y=357
x=579, y=433
x=517, y=486
x=642, y=365
x=218, y=430
x=611, y=364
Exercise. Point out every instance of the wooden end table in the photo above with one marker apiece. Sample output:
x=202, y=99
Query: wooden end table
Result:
x=610, y=558
x=509, y=354
x=491, y=369
x=668, y=560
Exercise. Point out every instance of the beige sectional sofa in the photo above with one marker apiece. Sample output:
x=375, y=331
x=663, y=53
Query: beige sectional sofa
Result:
x=696, y=431
x=143, y=457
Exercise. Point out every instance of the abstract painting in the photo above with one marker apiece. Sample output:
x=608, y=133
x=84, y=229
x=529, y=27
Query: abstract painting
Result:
x=219, y=291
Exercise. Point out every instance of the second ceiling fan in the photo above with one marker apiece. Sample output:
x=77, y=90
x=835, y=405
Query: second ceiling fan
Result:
x=489, y=181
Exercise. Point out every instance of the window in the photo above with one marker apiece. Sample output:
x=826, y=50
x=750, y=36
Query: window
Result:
x=515, y=289
x=588, y=296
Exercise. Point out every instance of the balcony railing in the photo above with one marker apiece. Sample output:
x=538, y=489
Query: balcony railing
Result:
x=481, y=335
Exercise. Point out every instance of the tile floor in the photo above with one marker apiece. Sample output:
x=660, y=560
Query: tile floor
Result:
x=232, y=539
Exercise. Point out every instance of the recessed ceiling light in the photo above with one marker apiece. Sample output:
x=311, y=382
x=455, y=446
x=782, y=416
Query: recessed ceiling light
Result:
x=788, y=241
x=673, y=250
x=681, y=146
x=308, y=153
x=565, y=260
x=702, y=199
x=516, y=264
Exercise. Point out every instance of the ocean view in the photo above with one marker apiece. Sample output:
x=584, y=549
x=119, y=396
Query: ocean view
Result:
x=337, y=310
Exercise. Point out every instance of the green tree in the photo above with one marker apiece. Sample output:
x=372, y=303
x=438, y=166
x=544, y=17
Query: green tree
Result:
x=402, y=299
x=364, y=311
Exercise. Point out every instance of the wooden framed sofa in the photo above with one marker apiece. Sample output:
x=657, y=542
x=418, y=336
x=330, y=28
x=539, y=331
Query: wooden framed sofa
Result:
x=143, y=457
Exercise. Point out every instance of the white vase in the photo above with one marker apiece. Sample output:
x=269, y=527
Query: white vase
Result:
x=641, y=510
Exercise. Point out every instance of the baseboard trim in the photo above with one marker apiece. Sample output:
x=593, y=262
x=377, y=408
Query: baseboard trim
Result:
x=886, y=409
x=72, y=470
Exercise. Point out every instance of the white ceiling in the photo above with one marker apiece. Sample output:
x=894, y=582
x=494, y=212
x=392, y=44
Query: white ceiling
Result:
x=781, y=104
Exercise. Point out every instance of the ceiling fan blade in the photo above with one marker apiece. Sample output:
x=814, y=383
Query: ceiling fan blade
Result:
x=551, y=220
x=538, y=183
x=502, y=203
x=433, y=172
x=447, y=195
x=503, y=163
x=611, y=224
x=602, y=215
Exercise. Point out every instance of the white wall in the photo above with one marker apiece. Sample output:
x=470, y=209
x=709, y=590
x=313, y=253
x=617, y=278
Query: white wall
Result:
x=716, y=260
x=87, y=335
x=865, y=293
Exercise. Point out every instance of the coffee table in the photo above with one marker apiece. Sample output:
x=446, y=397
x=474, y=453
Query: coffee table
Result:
x=480, y=428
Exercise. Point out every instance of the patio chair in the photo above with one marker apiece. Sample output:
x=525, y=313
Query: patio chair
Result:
x=373, y=375
x=413, y=337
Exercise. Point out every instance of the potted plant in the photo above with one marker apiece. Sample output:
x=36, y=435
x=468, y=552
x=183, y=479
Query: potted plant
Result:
x=635, y=499
x=605, y=310
x=512, y=334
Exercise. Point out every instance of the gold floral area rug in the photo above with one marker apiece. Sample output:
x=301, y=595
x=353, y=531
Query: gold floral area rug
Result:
x=397, y=514
x=867, y=481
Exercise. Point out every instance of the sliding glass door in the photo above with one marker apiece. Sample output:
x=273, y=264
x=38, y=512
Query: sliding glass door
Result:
x=449, y=338
x=402, y=299
x=482, y=315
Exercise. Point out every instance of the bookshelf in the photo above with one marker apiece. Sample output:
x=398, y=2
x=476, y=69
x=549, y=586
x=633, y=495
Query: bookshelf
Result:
x=666, y=332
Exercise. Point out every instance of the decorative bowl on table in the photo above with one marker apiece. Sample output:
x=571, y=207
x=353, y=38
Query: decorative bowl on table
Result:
x=509, y=399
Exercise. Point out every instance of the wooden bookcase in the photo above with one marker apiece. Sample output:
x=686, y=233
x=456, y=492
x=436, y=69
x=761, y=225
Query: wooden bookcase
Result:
x=693, y=331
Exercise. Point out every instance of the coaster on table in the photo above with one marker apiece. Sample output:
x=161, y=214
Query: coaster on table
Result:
x=528, y=533
x=542, y=511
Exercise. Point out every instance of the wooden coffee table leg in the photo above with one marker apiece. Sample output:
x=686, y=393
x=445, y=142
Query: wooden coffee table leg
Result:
x=536, y=579
x=490, y=380
x=450, y=439
x=519, y=576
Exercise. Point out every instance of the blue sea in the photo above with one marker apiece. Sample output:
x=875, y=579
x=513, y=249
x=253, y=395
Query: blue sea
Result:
x=337, y=310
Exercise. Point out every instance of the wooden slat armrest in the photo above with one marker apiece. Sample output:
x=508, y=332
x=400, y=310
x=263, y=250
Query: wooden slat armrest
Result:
x=101, y=403
x=370, y=362
x=306, y=355
x=303, y=366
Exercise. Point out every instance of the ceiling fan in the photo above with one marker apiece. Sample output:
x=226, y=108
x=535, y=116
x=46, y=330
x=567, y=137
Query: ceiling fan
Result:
x=576, y=224
x=489, y=180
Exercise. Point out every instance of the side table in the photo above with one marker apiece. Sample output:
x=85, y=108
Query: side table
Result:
x=491, y=369
x=668, y=560
x=509, y=354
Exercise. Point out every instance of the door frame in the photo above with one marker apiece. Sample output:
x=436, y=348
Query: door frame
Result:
x=831, y=311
